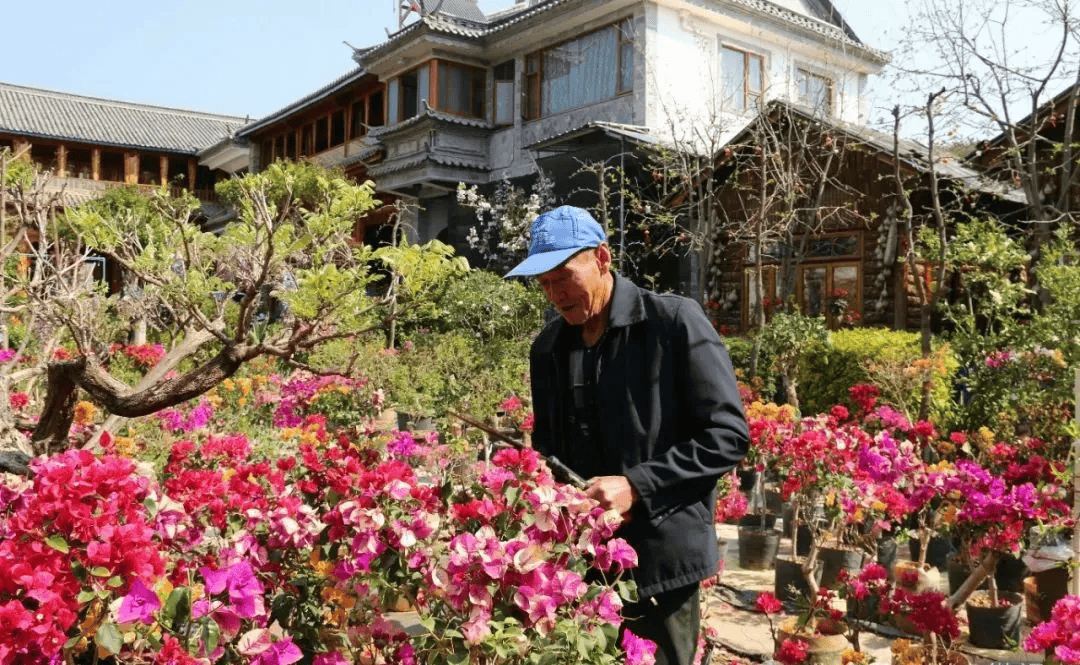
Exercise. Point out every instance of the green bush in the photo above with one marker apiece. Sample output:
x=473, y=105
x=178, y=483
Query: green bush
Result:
x=889, y=359
x=490, y=308
x=766, y=380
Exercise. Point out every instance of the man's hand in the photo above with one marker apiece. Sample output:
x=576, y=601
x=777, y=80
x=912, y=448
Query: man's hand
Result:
x=613, y=493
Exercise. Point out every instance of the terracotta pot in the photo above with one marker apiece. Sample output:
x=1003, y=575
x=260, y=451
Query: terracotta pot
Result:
x=916, y=655
x=827, y=640
x=909, y=575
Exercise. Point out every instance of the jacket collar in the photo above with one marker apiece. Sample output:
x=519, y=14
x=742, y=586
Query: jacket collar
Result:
x=627, y=308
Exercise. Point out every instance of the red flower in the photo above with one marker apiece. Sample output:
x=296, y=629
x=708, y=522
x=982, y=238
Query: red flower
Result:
x=767, y=603
x=793, y=651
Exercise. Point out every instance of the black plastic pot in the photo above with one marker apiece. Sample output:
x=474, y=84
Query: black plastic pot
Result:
x=835, y=559
x=937, y=552
x=758, y=547
x=767, y=520
x=996, y=627
x=789, y=584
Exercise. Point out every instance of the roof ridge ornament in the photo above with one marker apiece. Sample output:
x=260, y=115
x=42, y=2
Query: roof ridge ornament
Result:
x=408, y=7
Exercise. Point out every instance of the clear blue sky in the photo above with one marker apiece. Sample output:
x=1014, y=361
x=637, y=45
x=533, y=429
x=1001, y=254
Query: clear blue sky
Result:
x=224, y=56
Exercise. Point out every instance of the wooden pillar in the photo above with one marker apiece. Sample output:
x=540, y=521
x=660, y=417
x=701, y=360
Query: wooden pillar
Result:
x=61, y=161
x=22, y=149
x=95, y=163
x=131, y=168
x=163, y=167
x=192, y=171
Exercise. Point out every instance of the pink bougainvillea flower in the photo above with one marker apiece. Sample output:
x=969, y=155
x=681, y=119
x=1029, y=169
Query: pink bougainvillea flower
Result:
x=331, y=658
x=283, y=652
x=768, y=603
x=639, y=651
x=245, y=592
x=139, y=605
x=792, y=651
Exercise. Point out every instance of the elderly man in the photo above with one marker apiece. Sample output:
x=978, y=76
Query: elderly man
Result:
x=635, y=391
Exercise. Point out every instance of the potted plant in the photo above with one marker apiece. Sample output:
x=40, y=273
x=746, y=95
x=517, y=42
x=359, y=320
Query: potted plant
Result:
x=817, y=635
x=759, y=540
x=992, y=518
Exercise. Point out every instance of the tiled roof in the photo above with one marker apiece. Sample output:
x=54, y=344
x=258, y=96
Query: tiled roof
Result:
x=48, y=114
x=322, y=93
x=458, y=24
x=428, y=112
x=912, y=153
x=419, y=160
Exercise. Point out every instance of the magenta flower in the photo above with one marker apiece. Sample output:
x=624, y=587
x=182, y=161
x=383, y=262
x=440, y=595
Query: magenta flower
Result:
x=245, y=592
x=139, y=605
x=279, y=653
x=639, y=651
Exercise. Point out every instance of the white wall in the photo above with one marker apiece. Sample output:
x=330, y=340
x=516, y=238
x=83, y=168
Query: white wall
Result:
x=682, y=50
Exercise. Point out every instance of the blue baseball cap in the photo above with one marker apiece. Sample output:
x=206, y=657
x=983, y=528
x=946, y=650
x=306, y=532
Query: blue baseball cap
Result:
x=555, y=237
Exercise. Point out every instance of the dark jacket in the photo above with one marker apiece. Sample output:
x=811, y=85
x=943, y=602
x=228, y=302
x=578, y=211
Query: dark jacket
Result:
x=669, y=410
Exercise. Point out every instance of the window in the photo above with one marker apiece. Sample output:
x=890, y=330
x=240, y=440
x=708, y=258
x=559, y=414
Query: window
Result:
x=581, y=71
x=743, y=78
x=832, y=291
x=337, y=128
x=409, y=95
x=827, y=280
x=375, y=109
x=78, y=163
x=322, y=135
x=44, y=156
x=504, y=93
x=815, y=91
x=358, y=127
x=112, y=166
x=460, y=90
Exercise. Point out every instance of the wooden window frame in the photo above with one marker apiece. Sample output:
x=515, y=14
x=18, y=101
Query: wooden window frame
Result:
x=751, y=99
x=533, y=106
x=495, y=81
x=477, y=89
x=804, y=75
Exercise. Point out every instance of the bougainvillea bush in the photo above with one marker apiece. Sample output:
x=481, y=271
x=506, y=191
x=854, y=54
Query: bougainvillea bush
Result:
x=306, y=547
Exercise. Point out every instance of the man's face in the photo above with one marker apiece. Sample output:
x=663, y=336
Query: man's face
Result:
x=577, y=288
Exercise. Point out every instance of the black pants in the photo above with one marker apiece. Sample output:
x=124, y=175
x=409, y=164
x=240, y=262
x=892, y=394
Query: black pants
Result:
x=673, y=621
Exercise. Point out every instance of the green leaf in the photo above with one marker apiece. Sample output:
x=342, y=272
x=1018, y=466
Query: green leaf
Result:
x=58, y=543
x=100, y=571
x=109, y=638
x=115, y=582
x=177, y=607
x=85, y=597
x=458, y=658
x=211, y=635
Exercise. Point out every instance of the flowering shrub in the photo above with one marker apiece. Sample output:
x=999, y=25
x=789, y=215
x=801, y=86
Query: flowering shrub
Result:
x=1060, y=634
x=1022, y=393
x=231, y=556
